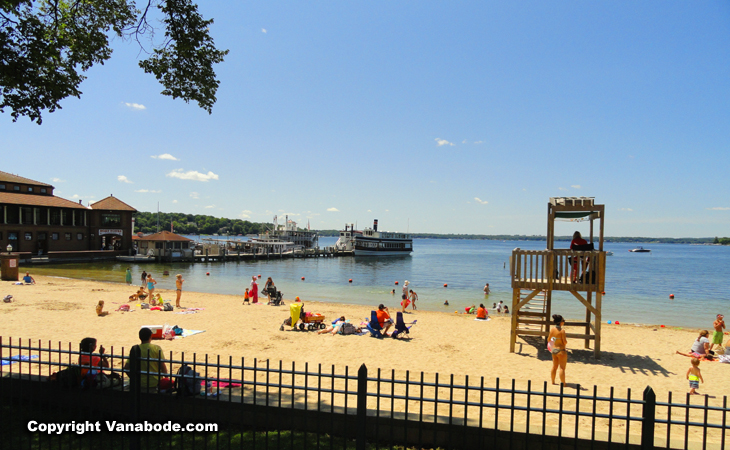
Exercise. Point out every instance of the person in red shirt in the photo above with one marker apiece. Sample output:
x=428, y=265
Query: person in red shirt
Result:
x=577, y=240
x=384, y=318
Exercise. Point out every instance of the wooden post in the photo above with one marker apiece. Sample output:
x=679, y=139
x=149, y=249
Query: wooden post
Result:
x=515, y=313
x=588, y=319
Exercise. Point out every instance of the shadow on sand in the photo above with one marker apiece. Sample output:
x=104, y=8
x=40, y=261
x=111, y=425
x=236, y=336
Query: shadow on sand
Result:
x=635, y=364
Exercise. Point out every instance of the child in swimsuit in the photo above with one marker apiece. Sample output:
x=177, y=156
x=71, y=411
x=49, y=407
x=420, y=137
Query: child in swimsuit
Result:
x=694, y=376
x=246, y=298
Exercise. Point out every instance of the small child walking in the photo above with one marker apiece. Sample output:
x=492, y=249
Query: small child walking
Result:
x=246, y=298
x=694, y=376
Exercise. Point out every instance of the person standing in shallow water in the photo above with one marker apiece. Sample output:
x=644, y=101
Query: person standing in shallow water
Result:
x=144, y=278
x=128, y=276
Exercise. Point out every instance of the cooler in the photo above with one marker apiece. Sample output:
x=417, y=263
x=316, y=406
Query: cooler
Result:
x=156, y=330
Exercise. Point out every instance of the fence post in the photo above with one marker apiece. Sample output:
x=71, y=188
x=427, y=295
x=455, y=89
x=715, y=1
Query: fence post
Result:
x=648, y=416
x=362, y=399
x=135, y=354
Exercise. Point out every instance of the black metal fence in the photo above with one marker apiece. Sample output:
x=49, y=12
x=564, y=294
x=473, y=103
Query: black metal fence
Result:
x=249, y=403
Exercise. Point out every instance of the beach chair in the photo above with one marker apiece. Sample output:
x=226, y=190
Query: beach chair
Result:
x=400, y=326
x=374, y=326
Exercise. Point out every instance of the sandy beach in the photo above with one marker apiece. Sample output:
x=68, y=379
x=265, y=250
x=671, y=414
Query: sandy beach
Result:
x=62, y=310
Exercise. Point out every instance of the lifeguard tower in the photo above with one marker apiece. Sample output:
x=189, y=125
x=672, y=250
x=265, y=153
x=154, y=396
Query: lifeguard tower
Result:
x=536, y=274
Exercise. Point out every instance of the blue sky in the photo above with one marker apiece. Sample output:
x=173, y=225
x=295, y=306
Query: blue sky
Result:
x=444, y=117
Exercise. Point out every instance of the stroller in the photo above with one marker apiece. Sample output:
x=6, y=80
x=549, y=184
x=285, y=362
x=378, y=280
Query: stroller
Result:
x=275, y=296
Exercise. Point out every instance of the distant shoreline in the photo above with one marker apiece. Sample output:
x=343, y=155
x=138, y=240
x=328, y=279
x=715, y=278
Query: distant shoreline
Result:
x=487, y=237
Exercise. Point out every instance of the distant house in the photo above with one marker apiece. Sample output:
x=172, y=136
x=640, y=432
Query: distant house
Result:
x=111, y=224
x=166, y=246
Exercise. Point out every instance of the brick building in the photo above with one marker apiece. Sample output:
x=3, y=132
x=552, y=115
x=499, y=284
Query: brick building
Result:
x=37, y=223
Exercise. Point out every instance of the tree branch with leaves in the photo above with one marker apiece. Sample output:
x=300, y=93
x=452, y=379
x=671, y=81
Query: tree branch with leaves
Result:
x=45, y=46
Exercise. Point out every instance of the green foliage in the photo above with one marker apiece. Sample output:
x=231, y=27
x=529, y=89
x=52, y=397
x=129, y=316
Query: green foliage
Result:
x=723, y=241
x=184, y=65
x=146, y=222
x=46, y=45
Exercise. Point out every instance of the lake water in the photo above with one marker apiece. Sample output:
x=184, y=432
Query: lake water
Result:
x=638, y=285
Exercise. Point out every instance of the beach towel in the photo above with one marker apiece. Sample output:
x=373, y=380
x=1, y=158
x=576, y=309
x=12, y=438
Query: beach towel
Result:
x=17, y=358
x=186, y=312
x=187, y=333
x=224, y=384
x=483, y=320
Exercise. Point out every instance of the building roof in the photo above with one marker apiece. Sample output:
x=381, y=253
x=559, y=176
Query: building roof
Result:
x=10, y=178
x=12, y=198
x=164, y=236
x=112, y=203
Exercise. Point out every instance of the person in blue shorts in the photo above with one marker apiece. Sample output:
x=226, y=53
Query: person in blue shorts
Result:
x=27, y=279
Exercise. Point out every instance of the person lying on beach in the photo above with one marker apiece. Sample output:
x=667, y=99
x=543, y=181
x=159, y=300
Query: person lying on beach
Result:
x=334, y=327
x=100, y=309
x=719, y=325
x=27, y=279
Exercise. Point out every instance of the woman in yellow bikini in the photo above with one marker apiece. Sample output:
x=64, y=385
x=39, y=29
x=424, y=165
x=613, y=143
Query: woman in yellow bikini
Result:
x=557, y=342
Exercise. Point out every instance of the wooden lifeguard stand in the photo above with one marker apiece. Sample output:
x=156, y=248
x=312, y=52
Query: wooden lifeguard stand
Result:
x=536, y=274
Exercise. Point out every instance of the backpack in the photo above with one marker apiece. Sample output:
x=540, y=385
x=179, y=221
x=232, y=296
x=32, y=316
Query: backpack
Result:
x=167, y=307
x=348, y=328
x=69, y=377
x=187, y=383
x=8, y=298
x=145, y=305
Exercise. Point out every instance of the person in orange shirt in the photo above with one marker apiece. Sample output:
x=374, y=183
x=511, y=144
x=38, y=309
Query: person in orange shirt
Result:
x=384, y=318
x=482, y=312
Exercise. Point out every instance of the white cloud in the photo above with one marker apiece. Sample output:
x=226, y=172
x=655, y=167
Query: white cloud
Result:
x=135, y=106
x=333, y=210
x=210, y=207
x=627, y=209
x=370, y=211
x=165, y=156
x=174, y=201
x=387, y=210
x=245, y=214
x=194, y=195
x=719, y=208
x=78, y=197
x=562, y=189
x=263, y=30
x=58, y=180
x=575, y=186
x=441, y=142
x=145, y=191
x=192, y=175
x=124, y=179
x=478, y=142
x=464, y=141
x=480, y=201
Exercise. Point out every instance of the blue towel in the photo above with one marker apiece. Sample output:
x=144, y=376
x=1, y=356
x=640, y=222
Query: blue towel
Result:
x=17, y=358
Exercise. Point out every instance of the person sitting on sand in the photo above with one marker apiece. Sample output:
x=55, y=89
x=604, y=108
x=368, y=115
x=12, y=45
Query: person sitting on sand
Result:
x=100, y=309
x=694, y=376
x=482, y=312
x=557, y=343
x=700, y=347
x=719, y=325
x=27, y=279
x=151, y=361
x=384, y=318
x=88, y=345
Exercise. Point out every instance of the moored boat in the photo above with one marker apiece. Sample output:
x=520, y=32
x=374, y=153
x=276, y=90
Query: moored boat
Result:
x=371, y=242
x=640, y=250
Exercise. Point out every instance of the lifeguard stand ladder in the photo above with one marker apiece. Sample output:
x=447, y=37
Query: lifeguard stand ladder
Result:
x=536, y=274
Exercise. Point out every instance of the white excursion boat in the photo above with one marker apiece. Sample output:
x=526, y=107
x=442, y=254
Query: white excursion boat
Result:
x=371, y=242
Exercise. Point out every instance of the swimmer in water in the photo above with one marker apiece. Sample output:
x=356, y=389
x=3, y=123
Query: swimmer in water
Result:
x=446, y=303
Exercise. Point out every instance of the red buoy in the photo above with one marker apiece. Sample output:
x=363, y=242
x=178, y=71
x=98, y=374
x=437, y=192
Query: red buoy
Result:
x=207, y=273
x=259, y=275
x=446, y=285
x=396, y=283
x=617, y=322
x=350, y=280
x=603, y=293
x=671, y=295
x=302, y=278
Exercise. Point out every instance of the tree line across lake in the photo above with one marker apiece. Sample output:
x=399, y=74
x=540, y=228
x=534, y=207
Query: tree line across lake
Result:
x=147, y=222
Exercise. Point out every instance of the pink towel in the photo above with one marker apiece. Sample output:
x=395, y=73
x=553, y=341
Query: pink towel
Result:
x=224, y=384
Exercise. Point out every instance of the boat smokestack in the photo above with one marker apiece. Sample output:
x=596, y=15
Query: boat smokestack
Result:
x=375, y=225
